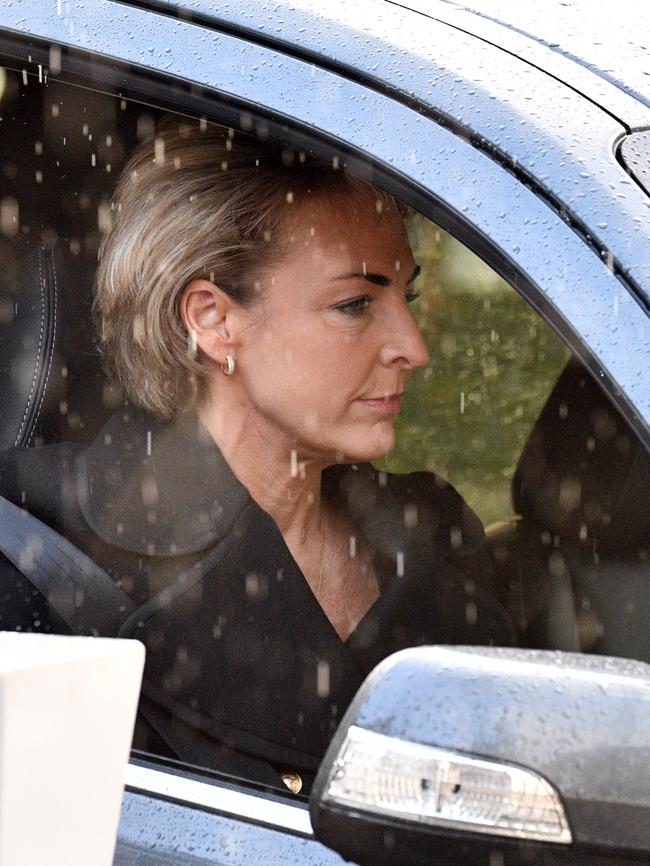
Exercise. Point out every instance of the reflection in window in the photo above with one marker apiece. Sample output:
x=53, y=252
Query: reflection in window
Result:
x=493, y=364
x=260, y=629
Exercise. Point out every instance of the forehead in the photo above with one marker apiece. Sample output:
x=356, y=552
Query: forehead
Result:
x=348, y=229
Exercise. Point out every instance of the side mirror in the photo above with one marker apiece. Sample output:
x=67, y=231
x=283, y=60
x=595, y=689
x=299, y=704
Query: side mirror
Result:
x=491, y=756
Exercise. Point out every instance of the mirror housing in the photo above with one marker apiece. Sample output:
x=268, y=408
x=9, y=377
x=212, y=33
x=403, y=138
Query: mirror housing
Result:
x=496, y=756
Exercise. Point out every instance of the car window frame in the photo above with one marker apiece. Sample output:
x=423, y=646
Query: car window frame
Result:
x=481, y=91
x=326, y=129
x=255, y=805
x=461, y=217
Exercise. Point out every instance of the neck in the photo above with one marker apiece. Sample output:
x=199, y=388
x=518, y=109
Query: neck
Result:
x=284, y=482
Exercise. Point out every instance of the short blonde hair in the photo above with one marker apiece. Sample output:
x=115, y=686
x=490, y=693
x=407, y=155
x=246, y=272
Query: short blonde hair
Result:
x=195, y=202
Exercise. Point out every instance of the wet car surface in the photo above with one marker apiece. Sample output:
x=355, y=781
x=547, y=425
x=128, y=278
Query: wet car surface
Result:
x=511, y=142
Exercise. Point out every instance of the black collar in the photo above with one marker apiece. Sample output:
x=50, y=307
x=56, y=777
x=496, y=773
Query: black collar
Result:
x=158, y=488
x=164, y=489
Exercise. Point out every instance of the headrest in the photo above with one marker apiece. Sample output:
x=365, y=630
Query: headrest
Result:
x=51, y=384
x=584, y=474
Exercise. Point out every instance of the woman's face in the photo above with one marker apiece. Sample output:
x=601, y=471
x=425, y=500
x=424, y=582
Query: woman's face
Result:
x=327, y=351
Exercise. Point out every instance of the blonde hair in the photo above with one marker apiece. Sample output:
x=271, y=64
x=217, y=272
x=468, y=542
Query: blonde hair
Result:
x=195, y=202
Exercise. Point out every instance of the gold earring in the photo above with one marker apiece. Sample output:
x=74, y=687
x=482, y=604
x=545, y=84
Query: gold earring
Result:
x=229, y=367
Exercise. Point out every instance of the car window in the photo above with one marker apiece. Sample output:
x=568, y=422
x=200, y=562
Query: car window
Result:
x=493, y=364
x=157, y=528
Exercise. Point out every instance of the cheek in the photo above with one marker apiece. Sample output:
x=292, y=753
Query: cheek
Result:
x=307, y=371
x=306, y=354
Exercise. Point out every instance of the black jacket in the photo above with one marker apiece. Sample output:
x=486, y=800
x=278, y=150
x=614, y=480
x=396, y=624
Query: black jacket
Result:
x=244, y=671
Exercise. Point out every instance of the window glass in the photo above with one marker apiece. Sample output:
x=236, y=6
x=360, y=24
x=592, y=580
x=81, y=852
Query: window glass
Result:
x=493, y=363
x=226, y=445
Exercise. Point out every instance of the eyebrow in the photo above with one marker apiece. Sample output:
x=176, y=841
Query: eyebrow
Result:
x=379, y=279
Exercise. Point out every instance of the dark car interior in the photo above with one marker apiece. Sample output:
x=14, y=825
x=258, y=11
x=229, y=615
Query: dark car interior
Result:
x=570, y=563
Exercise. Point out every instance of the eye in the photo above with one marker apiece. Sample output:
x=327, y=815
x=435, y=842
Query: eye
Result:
x=355, y=306
x=411, y=297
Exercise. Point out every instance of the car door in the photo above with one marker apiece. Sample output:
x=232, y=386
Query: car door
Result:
x=507, y=186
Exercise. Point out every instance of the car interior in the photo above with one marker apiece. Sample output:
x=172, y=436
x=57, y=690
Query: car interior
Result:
x=570, y=560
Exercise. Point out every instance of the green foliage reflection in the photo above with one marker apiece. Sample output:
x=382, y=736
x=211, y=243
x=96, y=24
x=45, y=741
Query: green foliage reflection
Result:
x=493, y=363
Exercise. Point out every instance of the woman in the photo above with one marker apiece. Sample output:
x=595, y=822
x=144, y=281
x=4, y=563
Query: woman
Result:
x=255, y=306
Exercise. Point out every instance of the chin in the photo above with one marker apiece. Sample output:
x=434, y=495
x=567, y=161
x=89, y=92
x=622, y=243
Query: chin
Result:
x=373, y=446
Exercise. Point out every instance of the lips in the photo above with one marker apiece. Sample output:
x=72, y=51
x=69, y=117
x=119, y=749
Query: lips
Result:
x=390, y=404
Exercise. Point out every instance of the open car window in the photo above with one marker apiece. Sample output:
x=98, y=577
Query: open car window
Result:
x=502, y=428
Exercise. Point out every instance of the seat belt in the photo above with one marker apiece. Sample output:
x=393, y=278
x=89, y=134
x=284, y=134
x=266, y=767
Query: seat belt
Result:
x=85, y=597
x=89, y=602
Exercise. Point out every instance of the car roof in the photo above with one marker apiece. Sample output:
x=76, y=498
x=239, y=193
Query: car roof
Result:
x=599, y=52
x=587, y=45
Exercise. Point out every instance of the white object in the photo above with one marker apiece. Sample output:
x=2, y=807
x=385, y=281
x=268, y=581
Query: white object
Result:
x=67, y=710
x=427, y=785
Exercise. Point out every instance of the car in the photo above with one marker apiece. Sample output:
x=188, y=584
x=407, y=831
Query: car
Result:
x=519, y=138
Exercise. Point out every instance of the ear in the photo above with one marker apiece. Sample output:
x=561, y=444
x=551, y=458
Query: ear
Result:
x=211, y=320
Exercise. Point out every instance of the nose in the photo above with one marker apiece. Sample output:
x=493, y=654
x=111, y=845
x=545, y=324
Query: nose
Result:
x=404, y=345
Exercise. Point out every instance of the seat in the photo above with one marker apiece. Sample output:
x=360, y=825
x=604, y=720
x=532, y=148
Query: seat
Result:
x=52, y=390
x=572, y=567
x=52, y=387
